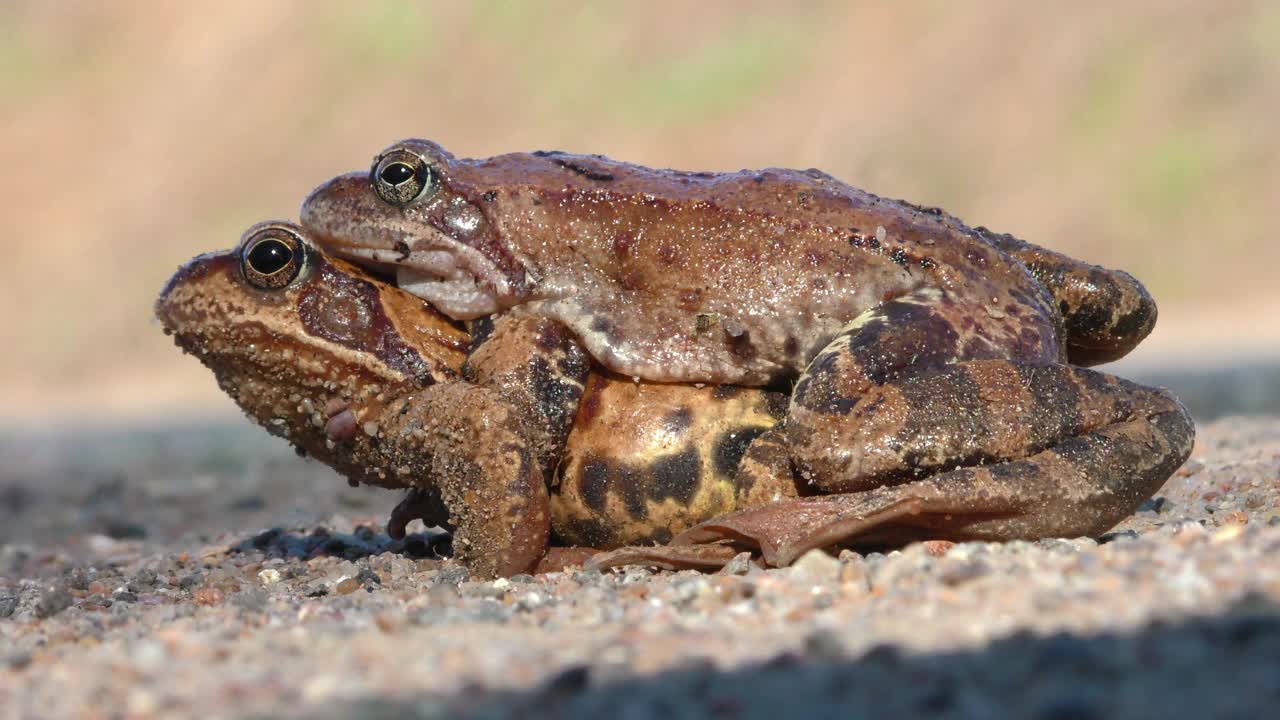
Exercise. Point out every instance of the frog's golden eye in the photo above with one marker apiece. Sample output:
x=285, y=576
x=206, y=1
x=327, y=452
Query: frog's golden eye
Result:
x=271, y=257
x=400, y=176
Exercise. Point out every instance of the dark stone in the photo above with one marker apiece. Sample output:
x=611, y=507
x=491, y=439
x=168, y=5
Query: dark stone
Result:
x=53, y=602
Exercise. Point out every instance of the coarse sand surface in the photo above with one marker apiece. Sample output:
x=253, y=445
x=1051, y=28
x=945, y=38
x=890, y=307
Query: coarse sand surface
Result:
x=207, y=573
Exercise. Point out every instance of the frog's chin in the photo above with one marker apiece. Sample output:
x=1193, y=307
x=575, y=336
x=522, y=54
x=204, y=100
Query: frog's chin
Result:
x=459, y=281
x=461, y=297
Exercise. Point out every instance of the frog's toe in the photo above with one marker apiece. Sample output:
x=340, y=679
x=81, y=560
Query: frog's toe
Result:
x=784, y=531
x=418, y=504
x=707, y=558
x=558, y=559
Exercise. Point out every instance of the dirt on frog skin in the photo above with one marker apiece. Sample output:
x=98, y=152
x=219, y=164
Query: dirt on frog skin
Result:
x=169, y=575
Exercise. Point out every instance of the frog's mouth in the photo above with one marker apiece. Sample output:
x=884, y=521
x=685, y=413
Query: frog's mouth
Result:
x=459, y=281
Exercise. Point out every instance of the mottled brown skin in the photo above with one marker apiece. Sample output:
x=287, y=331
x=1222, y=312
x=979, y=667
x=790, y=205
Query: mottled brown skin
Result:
x=370, y=380
x=793, y=279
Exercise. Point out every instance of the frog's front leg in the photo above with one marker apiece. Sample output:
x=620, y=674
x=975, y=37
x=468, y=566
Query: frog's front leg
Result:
x=462, y=450
x=538, y=367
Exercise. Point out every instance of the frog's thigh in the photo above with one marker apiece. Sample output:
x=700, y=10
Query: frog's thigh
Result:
x=916, y=333
x=1100, y=445
x=538, y=366
x=466, y=443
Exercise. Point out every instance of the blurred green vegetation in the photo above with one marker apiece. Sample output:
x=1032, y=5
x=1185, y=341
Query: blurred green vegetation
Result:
x=1136, y=135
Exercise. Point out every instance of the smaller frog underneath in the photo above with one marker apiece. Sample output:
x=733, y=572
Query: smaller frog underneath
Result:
x=918, y=351
x=369, y=379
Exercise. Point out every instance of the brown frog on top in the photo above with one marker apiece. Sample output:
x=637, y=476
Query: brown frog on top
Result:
x=922, y=355
x=368, y=379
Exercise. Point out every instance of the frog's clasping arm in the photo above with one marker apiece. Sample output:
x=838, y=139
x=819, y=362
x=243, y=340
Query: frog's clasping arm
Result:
x=465, y=442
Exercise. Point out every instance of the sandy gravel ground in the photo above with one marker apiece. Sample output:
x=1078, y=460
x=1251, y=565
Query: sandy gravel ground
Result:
x=207, y=573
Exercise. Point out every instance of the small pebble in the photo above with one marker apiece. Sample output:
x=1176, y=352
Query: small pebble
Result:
x=53, y=602
x=816, y=567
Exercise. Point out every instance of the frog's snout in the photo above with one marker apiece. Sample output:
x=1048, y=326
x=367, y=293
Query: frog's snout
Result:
x=180, y=295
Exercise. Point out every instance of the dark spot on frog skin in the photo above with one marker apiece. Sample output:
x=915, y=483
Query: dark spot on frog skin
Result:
x=899, y=256
x=927, y=210
x=791, y=346
x=402, y=247
x=489, y=196
x=585, y=172
x=857, y=240
x=593, y=484
x=676, y=477
x=776, y=404
x=606, y=327
x=590, y=532
x=1089, y=319
x=480, y=329
x=873, y=243
x=629, y=483
x=555, y=398
x=1134, y=321
x=731, y=446
x=600, y=478
x=928, y=263
x=678, y=421
x=668, y=254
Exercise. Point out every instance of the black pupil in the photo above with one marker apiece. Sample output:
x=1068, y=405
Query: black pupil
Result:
x=396, y=173
x=270, y=257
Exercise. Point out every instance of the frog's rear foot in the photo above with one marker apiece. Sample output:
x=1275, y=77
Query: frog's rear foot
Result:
x=1086, y=466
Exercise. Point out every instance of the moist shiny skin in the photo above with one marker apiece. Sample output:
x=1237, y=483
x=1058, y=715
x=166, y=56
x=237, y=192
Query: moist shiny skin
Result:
x=933, y=367
x=710, y=277
x=908, y=425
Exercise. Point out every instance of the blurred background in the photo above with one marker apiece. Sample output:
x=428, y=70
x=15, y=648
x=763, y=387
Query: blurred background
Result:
x=1138, y=135
x=134, y=135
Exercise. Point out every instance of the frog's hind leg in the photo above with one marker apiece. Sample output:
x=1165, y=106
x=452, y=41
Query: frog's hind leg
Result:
x=1094, y=447
x=916, y=333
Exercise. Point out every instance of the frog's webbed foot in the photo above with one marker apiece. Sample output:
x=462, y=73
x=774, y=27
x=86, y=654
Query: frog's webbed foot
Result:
x=537, y=366
x=462, y=448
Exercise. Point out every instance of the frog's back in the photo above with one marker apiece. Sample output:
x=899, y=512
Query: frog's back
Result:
x=728, y=277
